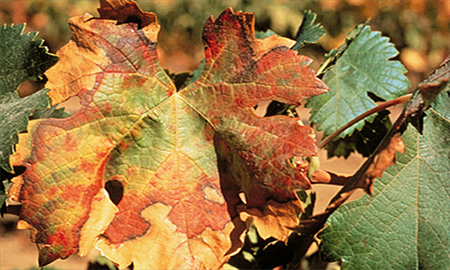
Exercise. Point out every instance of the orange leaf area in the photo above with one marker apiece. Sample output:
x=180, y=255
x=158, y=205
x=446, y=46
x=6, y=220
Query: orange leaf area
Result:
x=177, y=160
x=276, y=220
x=171, y=249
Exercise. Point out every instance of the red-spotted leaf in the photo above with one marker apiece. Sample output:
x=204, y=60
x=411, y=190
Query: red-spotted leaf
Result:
x=180, y=161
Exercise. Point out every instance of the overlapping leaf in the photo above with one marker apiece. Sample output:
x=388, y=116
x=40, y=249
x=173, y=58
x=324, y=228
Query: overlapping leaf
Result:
x=22, y=57
x=359, y=67
x=182, y=158
x=405, y=225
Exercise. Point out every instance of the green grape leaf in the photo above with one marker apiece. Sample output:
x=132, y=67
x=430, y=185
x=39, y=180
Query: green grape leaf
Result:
x=362, y=66
x=22, y=58
x=334, y=54
x=405, y=224
x=308, y=32
x=50, y=112
x=263, y=35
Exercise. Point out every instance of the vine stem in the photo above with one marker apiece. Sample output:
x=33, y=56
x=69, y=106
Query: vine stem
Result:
x=380, y=107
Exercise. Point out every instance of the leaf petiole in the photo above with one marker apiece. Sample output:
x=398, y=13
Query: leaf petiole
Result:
x=380, y=107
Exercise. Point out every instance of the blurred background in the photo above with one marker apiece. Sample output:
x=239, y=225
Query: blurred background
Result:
x=418, y=28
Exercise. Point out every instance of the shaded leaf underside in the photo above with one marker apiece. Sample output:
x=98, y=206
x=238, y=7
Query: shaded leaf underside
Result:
x=364, y=141
x=182, y=157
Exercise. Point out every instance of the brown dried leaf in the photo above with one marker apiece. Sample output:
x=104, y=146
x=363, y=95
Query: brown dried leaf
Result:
x=382, y=161
x=276, y=220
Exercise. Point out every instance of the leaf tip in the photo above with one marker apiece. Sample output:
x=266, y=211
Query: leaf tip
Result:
x=46, y=257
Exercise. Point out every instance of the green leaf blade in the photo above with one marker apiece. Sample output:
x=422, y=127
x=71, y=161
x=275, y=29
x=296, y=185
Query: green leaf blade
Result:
x=23, y=58
x=308, y=32
x=14, y=115
x=405, y=224
x=362, y=67
x=50, y=112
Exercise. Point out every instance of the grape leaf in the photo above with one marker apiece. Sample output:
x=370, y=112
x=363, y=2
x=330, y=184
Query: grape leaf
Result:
x=263, y=35
x=50, y=112
x=22, y=58
x=405, y=224
x=308, y=32
x=187, y=164
x=361, y=66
